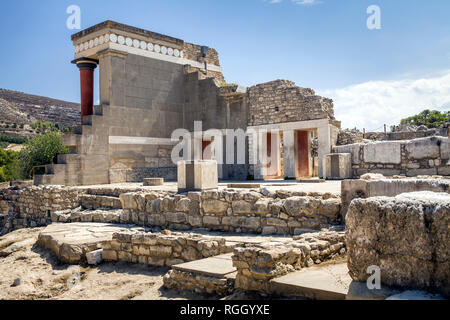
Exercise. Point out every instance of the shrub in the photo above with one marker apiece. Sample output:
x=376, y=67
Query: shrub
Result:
x=40, y=150
x=9, y=168
x=429, y=118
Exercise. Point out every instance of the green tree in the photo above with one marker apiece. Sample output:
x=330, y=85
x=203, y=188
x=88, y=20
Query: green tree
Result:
x=9, y=167
x=40, y=150
x=429, y=118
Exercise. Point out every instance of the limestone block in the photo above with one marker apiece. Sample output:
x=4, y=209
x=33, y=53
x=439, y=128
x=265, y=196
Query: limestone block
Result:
x=153, y=181
x=214, y=206
x=94, y=257
x=337, y=166
x=406, y=236
x=296, y=206
x=421, y=172
x=211, y=221
x=197, y=175
x=444, y=171
x=382, y=152
x=445, y=148
x=353, y=149
x=175, y=217
x=241, y=207
x=423, y=148
x=109, y=255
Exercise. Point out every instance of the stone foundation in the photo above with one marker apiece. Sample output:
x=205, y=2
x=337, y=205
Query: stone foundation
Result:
x=257, y=265
x=33, y=206
x=198, y=283
x=157, y=249
x=406, y=236
x=234, y=211
x=351, y=189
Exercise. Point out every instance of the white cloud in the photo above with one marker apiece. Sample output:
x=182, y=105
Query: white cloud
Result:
x=306, y=2
x=372, y=104
x=273, y=1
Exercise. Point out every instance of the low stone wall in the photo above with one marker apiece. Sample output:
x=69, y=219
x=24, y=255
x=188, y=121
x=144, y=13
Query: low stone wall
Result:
x=425, y=156
x=407, y=237
x=199, y=283
x=158, y=249
x=258, y=264
x=351, y=189
x=282, y=212
x=33, y=206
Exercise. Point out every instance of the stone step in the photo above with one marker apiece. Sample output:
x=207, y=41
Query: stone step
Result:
x=71, y=139
x=68, y=158
x=79, y=215
x=95, y=202
x=328, y=282
x=57, y=179
x=63, y=168
x=214, y=275
x=218, y=266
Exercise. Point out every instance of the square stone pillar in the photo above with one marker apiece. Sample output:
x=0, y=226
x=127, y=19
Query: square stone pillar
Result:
x=289, y=153
x=324, y=136
x=197, y=175
x=337, y=166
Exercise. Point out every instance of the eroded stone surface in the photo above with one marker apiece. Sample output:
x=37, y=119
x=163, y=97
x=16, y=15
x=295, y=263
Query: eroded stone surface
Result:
x=71, y=242
x=406, y=236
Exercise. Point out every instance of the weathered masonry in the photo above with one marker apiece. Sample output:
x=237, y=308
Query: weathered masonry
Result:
x=152, y=84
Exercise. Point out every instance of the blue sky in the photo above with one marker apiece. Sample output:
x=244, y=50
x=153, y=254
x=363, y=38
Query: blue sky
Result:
x=374, y=76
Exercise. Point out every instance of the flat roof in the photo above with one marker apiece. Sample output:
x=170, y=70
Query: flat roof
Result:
x=126, y=28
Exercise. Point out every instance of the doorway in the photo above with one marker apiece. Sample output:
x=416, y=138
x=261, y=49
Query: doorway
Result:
x=272, y=167
x=303, y=167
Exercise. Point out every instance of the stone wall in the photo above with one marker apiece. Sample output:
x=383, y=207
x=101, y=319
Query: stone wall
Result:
x=199, y=283
x=425, y=156
x=283, y=212
x=361, y=188
x=406, y=236
x=257, y=265
x=159, y=249
x=349, y=137
x=33, y=206
x=282, y=101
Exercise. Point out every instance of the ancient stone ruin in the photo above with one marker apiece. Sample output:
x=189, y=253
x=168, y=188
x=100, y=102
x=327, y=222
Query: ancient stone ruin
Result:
x=330, y=215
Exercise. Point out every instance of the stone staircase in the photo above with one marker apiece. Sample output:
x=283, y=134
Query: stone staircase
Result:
x=96, y=206
x=87, y=161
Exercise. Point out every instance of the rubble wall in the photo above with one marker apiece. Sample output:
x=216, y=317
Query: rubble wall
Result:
x=257, y=265
x=162, y=250
x=282, y=101
x=34, y=206
x=234, y=211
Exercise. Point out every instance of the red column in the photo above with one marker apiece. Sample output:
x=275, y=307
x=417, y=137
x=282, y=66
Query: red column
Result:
x=86, y=67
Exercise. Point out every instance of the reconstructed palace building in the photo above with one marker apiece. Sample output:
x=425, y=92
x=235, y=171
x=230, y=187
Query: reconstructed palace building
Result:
x=152, y=84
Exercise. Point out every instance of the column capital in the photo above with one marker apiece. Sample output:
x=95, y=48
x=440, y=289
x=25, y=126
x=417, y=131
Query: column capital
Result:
x=85, y=63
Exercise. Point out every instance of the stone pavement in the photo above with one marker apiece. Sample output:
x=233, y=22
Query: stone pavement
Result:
x=71, y=241
x=271, y=185
x=218, y=266
x=327, y=282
